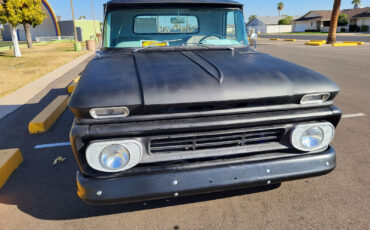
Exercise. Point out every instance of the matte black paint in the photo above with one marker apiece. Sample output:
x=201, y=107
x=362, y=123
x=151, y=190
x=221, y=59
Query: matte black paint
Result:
x=82, y=135
x=269, y=90
x=207, y=179
x=171, y=78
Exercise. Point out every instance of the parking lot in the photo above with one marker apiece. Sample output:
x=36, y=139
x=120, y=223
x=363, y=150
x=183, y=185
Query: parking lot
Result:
x=40, y=195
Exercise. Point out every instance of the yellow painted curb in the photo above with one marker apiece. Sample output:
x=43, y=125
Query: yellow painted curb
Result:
x=321, y=41
x=314, y=43
x=71, y=87
x=44, y=120
x=275, y=39
x=10, y=159
x=345, y=44
x=358, y=43
x=290, y=40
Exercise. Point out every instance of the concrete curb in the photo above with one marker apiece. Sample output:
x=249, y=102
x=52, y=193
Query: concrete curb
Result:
x=345, y=44
x=314, y=43
x=71, y=87
x=358, y=43
x=10, y=159
x=48, y=116
x=13, y=101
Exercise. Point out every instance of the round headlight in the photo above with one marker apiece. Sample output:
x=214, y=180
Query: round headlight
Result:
x=114, y=157
x=312, y=138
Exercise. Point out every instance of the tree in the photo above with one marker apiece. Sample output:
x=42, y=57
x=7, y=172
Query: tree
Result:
x=288, y=20
x=32, y=15
x=10, y=13
x=342, y=20
x=280, y=7
x=356, y=3
x=334, y=23
x=82, y=18
x=253, y=16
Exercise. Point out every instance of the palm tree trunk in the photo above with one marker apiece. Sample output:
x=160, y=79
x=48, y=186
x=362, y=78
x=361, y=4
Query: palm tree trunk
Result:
x=332, y=36
x=17, y=51
x=27, y=30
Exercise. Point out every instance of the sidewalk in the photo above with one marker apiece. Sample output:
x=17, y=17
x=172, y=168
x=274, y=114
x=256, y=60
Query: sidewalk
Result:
x=20, y=97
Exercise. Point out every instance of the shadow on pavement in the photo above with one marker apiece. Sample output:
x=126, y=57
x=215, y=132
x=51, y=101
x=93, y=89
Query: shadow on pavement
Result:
x=48, y=191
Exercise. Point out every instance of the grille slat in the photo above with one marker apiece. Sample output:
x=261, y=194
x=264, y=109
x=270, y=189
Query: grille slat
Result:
x=213, y=140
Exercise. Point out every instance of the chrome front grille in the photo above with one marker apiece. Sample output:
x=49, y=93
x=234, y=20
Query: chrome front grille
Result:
x=213, y=140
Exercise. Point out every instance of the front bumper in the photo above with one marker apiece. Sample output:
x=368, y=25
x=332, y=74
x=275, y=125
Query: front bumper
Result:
x=166, y=184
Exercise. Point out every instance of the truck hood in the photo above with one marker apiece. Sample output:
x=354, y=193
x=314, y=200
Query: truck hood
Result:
x=192, y=77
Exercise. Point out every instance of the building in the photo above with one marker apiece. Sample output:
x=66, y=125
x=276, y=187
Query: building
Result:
x=52, y=29
x=362, y=19
x=49, y=28
x=319, y=20
x=269, y=25
x=86, y=29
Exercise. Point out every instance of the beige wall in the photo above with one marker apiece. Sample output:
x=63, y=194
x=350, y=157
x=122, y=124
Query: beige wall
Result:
x=339, y=28
x=272, y=29
x=363, y=21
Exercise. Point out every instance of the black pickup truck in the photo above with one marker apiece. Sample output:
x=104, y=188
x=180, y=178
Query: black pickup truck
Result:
x=177, y=103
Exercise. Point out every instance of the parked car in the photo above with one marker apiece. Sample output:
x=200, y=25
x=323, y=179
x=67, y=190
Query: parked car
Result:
x=176, y=103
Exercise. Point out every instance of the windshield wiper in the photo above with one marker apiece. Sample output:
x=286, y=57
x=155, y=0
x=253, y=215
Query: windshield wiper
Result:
x=141, y=48
x=147, y=47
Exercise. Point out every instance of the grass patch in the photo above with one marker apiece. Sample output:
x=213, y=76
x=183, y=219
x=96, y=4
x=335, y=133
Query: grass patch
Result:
x=3, y=44
x=35, y=63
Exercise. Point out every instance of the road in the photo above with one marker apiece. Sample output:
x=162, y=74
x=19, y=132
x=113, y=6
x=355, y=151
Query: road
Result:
x=364, y=38
x=42, y=196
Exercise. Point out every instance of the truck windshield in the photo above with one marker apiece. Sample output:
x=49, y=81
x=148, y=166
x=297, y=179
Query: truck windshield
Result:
x=174, y=27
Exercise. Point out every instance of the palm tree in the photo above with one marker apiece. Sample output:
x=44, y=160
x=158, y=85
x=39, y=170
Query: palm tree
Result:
x=356, y=2
x=332, y=36
x=280, y=7
x=253, y=16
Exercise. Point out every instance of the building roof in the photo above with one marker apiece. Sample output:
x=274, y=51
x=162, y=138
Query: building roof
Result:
x=306, y=19
x=365, y=14
x=269, y=20
x=325, y=15
x=352, y=13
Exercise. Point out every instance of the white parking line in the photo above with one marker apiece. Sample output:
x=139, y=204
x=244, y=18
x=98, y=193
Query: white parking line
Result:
x=52, y=145
x=353, y=115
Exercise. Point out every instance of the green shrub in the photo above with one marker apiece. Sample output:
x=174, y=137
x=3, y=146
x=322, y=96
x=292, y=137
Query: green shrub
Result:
x=342, y=20
x=288, y=20
x=283, y=22
x=364, y=28
x=343, y=30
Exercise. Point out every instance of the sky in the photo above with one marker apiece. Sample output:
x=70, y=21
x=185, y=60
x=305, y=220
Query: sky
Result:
x=258, y=7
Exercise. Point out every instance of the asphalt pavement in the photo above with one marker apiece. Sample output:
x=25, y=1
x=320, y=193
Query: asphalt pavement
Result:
x=363, y=38
x=40, y=195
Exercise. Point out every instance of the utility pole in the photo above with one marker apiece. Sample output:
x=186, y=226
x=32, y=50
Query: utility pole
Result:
x=74, y=24
x=93, y=15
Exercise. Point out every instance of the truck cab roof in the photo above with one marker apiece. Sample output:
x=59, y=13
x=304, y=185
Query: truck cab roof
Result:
x=221, y=3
